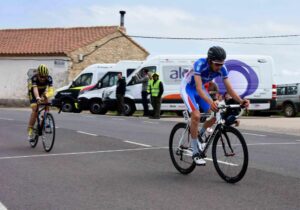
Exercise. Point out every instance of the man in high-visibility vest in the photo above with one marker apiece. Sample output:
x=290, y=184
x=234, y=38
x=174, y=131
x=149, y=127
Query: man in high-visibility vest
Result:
x=156, y=89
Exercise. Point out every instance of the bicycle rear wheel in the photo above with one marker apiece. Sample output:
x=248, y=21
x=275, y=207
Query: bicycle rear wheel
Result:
x=48, y=133
x=35, y=138
x=180, y=148
x=230, y=154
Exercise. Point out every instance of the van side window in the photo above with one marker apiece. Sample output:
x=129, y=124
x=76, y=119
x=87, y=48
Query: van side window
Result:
x=113, y=80
x=291, y=90
x=281, y=90
x=129, y=71
x=140, y=74
x=83, y=80
x=105, y=81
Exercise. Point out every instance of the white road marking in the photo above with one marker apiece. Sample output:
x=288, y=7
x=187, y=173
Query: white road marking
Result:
x=280, y=143
x=2, y=207
x=91, y=134
x=136, y=143
x=80, y=153
x=150, y=122
x=2, y=118
x=87, y=116
x=56, y=127
x=254, y=134
x=117, y=119
x=297, y=140
x=222, y=162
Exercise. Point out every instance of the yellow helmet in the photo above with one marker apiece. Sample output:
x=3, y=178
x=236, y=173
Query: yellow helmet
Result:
x=43, y=70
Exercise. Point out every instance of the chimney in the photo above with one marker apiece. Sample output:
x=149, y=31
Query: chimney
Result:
x=122, y=18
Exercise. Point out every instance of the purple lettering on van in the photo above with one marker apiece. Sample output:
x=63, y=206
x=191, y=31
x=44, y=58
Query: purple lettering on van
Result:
x=246, y=71
x=178, y=73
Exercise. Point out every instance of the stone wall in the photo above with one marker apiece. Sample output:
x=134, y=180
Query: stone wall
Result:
x=13, y=79
x=111, y=49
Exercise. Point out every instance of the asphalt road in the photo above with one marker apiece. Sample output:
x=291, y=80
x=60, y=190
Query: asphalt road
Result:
x=107, y=162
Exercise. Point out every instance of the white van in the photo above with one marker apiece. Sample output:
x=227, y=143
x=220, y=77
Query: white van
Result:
x=250, y=75
x=92, y=99
x=68, y=94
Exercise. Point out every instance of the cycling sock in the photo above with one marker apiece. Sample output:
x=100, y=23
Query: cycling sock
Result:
x=30, y=131
x=195, y=146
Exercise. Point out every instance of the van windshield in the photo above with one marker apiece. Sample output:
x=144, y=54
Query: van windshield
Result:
x=83, y=80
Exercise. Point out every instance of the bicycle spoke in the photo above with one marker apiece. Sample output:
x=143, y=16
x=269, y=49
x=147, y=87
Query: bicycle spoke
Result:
x=230, y=155
x=48, y=133
x=180, y=149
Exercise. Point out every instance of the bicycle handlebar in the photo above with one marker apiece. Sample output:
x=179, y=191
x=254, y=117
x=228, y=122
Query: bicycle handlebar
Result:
x=50, y=104
x=232, y=106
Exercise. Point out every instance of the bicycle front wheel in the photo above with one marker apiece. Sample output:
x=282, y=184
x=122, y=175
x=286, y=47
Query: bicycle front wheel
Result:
x=48, y=132
x=35, y=139
x=180, y=148
x=230, y=154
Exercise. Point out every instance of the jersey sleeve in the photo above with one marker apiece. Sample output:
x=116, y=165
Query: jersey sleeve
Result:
x=198, y=67
x=224, y=72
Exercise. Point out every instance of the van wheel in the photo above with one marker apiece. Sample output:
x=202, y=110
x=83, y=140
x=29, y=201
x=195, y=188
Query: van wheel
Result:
x=129, y=107
x=67, y=106
x=97, y=107
x=289, y=110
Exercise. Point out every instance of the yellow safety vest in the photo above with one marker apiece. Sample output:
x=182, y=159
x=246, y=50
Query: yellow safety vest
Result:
x=153, y=88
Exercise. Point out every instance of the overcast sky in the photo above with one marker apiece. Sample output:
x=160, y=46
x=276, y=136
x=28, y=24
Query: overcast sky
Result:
x=205, y=18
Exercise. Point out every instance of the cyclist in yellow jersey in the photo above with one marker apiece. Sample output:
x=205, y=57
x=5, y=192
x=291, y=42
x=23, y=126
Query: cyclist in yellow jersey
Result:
x=40, y=89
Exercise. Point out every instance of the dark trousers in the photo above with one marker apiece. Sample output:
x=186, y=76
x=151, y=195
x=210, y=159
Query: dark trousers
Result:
x=145, y=102
x=120, y=104
x=156, y=103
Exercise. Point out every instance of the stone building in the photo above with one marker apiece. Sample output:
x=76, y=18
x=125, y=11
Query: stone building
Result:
x=66, y=51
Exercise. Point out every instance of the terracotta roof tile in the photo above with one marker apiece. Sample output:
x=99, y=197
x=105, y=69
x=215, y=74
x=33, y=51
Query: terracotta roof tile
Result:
x=50, y=41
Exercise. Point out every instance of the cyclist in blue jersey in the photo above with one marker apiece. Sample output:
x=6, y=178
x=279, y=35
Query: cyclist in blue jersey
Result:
x=195, y=96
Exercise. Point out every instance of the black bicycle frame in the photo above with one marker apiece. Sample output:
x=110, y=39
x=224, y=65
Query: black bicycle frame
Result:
x=210, y=139
x=40, y=124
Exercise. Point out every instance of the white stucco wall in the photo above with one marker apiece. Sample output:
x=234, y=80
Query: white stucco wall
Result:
x=13, y=74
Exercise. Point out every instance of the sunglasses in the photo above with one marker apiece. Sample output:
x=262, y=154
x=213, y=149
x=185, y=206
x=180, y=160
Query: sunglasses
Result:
x=218, y=63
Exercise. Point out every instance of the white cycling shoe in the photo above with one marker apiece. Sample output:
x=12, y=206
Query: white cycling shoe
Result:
x=198, y=160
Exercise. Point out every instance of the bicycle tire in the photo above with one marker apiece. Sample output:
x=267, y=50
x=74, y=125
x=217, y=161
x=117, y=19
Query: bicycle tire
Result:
x=50, y=142
x=191, y=166
x=222, y=148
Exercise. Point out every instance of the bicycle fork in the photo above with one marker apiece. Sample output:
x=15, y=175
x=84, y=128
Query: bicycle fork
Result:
x=231, y=152
x=182, y=149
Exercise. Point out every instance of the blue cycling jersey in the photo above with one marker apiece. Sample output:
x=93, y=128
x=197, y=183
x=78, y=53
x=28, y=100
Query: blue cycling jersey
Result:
x=202, y=69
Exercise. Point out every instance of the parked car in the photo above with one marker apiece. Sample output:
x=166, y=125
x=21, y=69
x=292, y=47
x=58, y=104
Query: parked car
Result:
x=288, y=99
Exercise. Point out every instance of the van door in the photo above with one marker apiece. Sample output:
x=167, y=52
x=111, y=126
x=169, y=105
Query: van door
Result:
x=134, y=88
x=110, y=79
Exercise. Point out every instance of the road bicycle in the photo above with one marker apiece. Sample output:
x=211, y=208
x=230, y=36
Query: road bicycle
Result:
x=44, y=127
x=229, y=148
